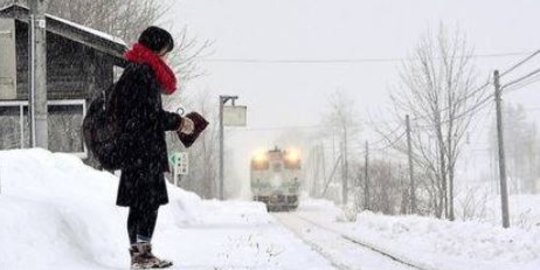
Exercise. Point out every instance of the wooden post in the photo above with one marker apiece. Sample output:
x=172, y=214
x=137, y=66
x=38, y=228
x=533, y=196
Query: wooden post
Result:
x=37, y=73
x=345, y=180
x=412, y=190
x=366, y=179
x=502, y=161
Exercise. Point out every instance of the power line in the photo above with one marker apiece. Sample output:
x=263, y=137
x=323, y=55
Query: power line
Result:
x=279, y=128
x=536, y=71
x=480, y=104
x=385, y=138
x=382, y=148
x=483, y=102
x=391, y=144
x=476, y=106
x=342, y=60
x=521, y=63
x=315, y=126
x=523, y=84
x=468, y=96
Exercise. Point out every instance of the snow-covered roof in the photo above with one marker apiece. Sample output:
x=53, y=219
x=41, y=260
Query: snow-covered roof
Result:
x=96, y=39
x=89, y=30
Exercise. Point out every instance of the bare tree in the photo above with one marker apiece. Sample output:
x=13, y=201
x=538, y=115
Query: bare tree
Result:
x=341, y=125
x=438, y=91
x=473, y=203
x=342, y=114
x=386, y=189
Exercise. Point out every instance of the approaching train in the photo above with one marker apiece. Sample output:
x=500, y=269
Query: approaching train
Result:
x=275, y=178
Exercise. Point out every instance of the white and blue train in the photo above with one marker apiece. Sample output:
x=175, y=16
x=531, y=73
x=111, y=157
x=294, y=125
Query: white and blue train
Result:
x=276, y=176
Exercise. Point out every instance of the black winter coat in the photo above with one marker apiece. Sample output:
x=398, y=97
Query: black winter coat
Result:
x=143, y=123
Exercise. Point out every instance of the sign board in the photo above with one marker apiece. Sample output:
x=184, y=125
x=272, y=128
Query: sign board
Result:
x=180, y=162
x=235, y=116
x=8, y=65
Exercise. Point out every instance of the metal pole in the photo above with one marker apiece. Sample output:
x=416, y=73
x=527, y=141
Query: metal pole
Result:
x=222, y=101
x=411, y=176
x=345, y=184
x=502, y=161
x=31, y=79
x=323, y=159
x=38, y=73
x=175, y=174
x=366, y=179
x=21, y=124
x=315, y=162
x=221, y=151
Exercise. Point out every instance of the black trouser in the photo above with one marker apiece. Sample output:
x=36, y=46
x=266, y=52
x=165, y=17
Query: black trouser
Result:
x=141, y=224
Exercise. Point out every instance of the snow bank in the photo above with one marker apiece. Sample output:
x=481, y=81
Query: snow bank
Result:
x=55, y=212
x=479, y=203
x=452, y=245
x=437, y=244
x=524, y=211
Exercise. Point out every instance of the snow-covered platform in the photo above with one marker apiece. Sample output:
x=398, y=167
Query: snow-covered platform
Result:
x=57, y=213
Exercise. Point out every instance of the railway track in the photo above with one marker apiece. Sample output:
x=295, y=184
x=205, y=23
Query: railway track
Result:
x=334, y=245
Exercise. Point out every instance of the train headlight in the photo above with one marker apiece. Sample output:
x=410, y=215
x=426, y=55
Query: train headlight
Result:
x=260, y=161
x=260, y=158
x=292, y=155
x=292, y=159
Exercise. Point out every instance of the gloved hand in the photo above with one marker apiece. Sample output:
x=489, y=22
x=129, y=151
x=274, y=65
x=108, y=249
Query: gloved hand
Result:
x=187, y=126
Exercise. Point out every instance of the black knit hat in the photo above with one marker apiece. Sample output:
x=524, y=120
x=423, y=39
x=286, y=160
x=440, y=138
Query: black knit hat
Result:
x=156, y=39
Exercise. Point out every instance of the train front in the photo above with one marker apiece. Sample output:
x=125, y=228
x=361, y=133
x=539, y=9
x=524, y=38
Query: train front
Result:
x=276, y=178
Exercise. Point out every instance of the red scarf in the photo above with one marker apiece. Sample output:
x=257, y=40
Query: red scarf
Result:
x=141, y=55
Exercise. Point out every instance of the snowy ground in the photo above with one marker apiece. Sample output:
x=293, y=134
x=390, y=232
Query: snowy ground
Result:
x=435, y=244
x=57, y=213
x=342, y=252
x=480, y=202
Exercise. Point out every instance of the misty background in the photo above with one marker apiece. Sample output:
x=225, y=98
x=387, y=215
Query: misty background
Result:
x=285, y=59
x=319, y=76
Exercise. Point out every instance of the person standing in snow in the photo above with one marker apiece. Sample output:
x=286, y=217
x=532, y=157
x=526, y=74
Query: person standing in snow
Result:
x=143, y=123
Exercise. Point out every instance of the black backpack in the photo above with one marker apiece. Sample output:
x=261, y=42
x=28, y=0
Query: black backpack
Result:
x=101, y=130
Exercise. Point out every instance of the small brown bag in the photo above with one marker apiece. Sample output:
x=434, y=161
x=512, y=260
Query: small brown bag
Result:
x=200, y=125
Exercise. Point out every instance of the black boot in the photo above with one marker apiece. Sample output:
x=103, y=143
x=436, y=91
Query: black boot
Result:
x=143, y=258
x=138, y=261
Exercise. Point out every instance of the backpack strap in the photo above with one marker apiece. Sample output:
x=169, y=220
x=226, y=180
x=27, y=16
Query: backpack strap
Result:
x=104, y=94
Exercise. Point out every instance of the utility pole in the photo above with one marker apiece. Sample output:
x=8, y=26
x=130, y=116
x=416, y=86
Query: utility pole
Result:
x=314, y=164
x=345, y=180
x=366, y=179
x=37, y=74
x=412, y=191
x=502, y=161
x=323, y=163
x=320, y=174
x=404, y=207
x=222, y=101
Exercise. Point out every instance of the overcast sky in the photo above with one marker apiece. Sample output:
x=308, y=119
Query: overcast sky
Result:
x=296, y=94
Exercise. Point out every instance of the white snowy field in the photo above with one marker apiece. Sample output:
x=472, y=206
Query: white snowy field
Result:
x=57, y=213
x=436, y=244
